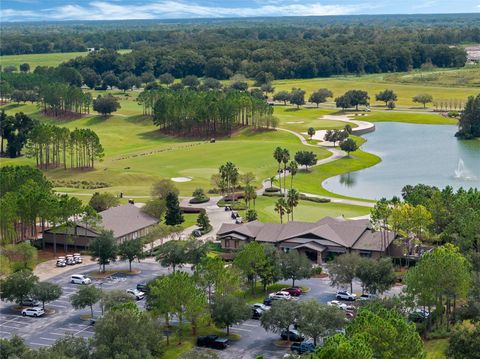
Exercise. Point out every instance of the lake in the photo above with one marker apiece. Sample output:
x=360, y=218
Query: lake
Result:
x=411, y=154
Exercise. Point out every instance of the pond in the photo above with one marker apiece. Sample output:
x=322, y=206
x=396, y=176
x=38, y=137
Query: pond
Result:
x=411, y=154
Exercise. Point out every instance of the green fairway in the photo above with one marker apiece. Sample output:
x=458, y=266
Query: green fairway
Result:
x=311, y=182
x=373, y=84
x=302, y=119
x=306, y=210
x=409, y=117
x=34, y=60
x=137, y=154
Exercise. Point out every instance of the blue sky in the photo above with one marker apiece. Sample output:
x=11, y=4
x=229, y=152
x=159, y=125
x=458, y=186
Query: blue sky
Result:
x=43, y=10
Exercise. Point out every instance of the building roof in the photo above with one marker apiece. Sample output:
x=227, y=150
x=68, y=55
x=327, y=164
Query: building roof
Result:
x=121, y=220
x=125, y=219
x=355, y=234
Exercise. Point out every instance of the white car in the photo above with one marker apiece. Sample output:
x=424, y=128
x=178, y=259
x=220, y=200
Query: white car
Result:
x=80, y=279
x=280, y=295
x=366, y=296
x=345, y=295
x=136, y=293
x=260, y=306
x=33, y=312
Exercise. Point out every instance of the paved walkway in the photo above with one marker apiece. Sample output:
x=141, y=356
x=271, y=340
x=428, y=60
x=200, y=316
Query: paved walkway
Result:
x=361, y=128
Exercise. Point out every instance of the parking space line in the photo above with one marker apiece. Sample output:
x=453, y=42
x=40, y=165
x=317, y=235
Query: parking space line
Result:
x=57, y=305
x=250, y=325
x=243, y=330
x=43, y=345
x=71, y=329
x=3, y=331
x=50, y=339
x=59, y=334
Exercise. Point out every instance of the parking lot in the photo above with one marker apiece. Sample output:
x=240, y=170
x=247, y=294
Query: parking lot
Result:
x=44, y=331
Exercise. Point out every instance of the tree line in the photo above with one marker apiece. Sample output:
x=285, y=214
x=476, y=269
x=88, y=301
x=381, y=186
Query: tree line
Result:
x=54, y=146
x=194, y=113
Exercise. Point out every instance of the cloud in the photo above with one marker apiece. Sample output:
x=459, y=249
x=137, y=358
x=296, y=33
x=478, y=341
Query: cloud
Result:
x=168, y=9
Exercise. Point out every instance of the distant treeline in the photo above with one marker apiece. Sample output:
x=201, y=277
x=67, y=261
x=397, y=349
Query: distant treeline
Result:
x=200, y=113
x=28, y=38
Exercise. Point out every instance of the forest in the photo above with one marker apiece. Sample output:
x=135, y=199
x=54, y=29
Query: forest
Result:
x=297, y=48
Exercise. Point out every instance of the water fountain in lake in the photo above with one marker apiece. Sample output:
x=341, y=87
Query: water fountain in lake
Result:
x=462, y=173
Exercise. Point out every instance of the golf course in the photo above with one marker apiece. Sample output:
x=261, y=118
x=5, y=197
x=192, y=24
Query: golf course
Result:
x=137, y=154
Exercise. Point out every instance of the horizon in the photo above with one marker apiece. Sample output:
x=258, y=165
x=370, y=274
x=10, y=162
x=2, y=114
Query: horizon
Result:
x=20, y=11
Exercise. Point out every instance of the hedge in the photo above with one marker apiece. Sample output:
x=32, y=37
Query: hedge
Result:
x=302, y=197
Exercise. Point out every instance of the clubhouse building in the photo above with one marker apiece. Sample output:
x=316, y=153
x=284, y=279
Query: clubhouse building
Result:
x=126, y=221
x=319, y=241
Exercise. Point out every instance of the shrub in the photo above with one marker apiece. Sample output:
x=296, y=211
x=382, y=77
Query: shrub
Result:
x=272, y=189
x=317, y=270
x=237, y=205
x=251, y=215
x=192, y=210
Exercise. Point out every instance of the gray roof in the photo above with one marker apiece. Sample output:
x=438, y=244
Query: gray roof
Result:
x=355, y=234
x=125, y=219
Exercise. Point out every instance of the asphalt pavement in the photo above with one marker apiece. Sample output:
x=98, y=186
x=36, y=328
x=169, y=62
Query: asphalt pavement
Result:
x=44, y=331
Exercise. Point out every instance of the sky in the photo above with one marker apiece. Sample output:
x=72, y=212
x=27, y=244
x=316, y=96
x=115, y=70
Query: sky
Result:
x=48, y=10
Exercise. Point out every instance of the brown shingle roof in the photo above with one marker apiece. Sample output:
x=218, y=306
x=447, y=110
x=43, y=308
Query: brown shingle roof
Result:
x=125, y=219
x=356, y=234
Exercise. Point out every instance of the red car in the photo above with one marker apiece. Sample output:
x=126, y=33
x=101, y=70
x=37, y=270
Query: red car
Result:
x=294, y=291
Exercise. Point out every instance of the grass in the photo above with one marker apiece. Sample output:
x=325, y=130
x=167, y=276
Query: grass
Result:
x=137, y=154
x=34, y=60
x=311, y=182
x=302, y=119
x=373, y=84
x=417, y=118
x=175, y=349
x=306, y=210
x=467, y=76
x=436, y=348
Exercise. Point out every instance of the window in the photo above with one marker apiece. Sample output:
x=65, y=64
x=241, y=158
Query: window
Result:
x=366, y=254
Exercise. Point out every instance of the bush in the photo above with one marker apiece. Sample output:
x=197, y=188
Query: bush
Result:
x=302, y=197
x=453, y=114
x=272, y=189
x=199, y=200
x=317, y=270
x=192, y=210
x=237, y=205
x=251, y=215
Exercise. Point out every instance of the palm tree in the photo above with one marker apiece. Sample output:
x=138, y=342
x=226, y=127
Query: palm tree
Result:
x=280, y=208
x=293, y=165
x=271, y=179
x=278, y=155
x=285, y=159
x=292, y=199
x=229, y=174
x=249, y=194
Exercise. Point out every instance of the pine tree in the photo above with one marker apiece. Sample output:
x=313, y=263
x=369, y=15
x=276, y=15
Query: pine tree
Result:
x=174, y=215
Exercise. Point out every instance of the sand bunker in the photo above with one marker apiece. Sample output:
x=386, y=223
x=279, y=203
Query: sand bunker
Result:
x=181, y=179
x=293, y=122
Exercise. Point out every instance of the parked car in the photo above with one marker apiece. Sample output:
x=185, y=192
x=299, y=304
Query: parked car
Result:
x=418, y=315
x=33, y=312
x=345, y=295
x=212, y=341
x=260, y=306
x=197, y=233
x=228, y=208
x=302, y=347
x=142, y=287
x=136, y=293
x=60, y=263
x=269, y=300
x=80, y=279
x=295, y=291
x=367, y=296
x=280, y=295
x=69, y=260
x=29, y=302
x=77, y=258
x=238, y=220
x=294, y=335
x=234, y=215
x=256, y=313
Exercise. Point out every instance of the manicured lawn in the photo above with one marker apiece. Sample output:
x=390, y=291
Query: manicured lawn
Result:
x=373, y=84
x=302, y=119
x=311, y=182
x=466, y=76
x=137, y=154
x=306, y=210
x=34, y=60
x=436, y=348
x=407, y=117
